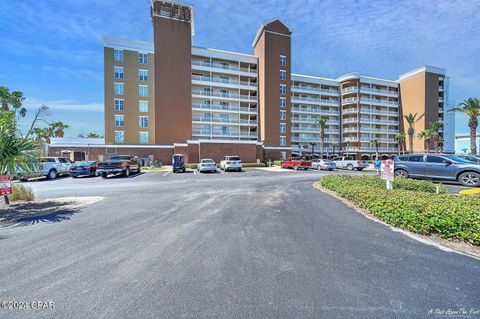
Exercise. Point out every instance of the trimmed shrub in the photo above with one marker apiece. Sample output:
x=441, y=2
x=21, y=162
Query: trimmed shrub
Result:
x=253, y=165
x=22, y=192
x=412, y=205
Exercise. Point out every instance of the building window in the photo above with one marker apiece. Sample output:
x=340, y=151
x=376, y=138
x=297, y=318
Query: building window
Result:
x=143, y=106
x=283, y=75
x=225, y=93
x=283, y=60
x=143, y=121
x=117, y=55
x=118, y=88
x=143, y=137
x=119, y=104
x=283, y=102
x=143, y=58
x=118, y=72
x=283, y=89
x=283, y=140
x=143, y=75
x=283, y=115
x=119, y=120
x=119, y=137
x=224, y=105
x=143, y=90
x=283, y=128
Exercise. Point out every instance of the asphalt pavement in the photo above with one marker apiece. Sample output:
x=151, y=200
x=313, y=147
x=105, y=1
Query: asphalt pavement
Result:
x=255, y=244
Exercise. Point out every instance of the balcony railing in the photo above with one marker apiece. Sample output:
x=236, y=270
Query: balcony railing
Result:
x=373, y=111
x=222, y=66
x=350, y=100
x=220, y=107
x=224, y=81
x=314, y=99
x=223, y=133
x=229, y=95
x=214, y=119
x=313, y=89
x=350, y=111
x=372, y=90
x=350, y=89
x=378, y=101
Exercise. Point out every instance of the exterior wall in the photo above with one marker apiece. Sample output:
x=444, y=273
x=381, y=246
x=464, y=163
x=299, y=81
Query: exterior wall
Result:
x=173, y=69
x=216, y=151
x=273, y=41
x=420, y=94
x=131, y=96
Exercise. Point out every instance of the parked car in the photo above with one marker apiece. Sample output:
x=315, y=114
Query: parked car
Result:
x=85, y=168
x=439, y=167
x=470, y=158
x=49, y=167
x=322, y=164
x=296, y=163
x=120, y=164
x=207, y=165
x=178, y=163
x=231, y=163
x=347, y=162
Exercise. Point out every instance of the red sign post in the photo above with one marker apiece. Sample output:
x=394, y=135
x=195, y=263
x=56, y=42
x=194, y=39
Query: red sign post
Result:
x=387, y=172
x=5, y=186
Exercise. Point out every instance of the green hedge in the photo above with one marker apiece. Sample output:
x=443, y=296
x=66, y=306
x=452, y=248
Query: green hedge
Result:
x=412, y=205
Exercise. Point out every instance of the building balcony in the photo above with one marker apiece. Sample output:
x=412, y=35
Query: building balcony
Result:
x=377, y=112
x=225, y=120
x=319, y=111
x=349, y=89
x=350, y=120
x=223, y=133
x=380, y=130
x=216, y=107
x=378, y=102
x=227, y=96
x=316, y=90
x=222, y=68
x=350, y=111
x=350, y=100
x=380, y=121
x=313, y=100
x=377, y=91
x=220, y=81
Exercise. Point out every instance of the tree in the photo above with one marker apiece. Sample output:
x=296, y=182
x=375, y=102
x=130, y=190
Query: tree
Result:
x=376, y=143
x=464, y=150
x=436, y=137
x=93, y=135
x=471, y=107
x=322, y=123
x=12, y=101
x=412, y=119
x=426, y=135
x=17, y=154
x=58, y=128
x=400, y=138
x=44, y=134
x=334, y=144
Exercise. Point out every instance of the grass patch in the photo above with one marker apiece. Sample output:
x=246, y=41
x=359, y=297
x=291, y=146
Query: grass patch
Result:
x=148, y=169
x=22, y=193
x=412, y=205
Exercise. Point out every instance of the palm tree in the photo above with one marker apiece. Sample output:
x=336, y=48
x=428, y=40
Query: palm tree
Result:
x=59, y=128
x=322, y=123
x=412, y=119
x=400, y=138
x=44, y=134
x=435, y=130
x=12, y=101
x=376, y=143
x=334, y=144
x=93, y=135
x=426, y=135
x=471, y=107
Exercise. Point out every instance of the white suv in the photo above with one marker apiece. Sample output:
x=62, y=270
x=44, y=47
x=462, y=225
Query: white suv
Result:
x=231, y=163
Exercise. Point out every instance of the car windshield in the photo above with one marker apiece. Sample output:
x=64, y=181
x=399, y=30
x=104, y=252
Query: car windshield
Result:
x=48, y=160
x=86, y=163
x=470, y=158
x=120, y=158
x=233, y=158
x=208, y=161
x=457, y=159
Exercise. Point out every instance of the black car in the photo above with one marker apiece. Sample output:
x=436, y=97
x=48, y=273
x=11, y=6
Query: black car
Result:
x=438, y=167
x=87, y=168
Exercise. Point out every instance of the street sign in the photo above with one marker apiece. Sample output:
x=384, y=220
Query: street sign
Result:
x=387, y=172
x=5, y=185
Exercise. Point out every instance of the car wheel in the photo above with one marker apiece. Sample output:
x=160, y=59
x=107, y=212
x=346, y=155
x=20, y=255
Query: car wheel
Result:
x=401, y=173
x=52, y=174
x=74, y=176
x=96, y=174
x=350, y=167
x=359, y=169
x=295, y=167
x=319, y=168
x=470, y=179
x=127, y=172
x=104, y=175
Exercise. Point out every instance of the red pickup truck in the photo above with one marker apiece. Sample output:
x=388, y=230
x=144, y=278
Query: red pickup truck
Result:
x=296, y=163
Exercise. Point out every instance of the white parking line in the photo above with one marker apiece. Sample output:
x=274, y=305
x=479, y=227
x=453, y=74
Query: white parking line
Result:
x=194, y=172
x=167, y=173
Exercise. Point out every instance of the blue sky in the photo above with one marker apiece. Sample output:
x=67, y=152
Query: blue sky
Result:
x=52, y=50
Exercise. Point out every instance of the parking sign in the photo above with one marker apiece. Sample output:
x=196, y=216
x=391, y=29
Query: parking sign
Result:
x=5, y=185
x=387, y=170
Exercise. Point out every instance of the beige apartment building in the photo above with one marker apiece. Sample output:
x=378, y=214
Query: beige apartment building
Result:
x=171, y=97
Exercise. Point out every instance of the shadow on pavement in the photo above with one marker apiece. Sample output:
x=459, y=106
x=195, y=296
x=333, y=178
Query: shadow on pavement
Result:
x=25, y=214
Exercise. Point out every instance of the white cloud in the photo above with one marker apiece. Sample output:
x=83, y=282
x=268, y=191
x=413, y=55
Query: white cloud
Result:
x=64, y=105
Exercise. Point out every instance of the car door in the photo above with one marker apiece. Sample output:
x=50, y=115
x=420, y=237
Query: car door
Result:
x=439, y=167
x=415, y=165
x=62, y=166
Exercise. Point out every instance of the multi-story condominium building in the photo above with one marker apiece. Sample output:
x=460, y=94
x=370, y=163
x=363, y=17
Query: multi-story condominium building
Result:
x=171, y=97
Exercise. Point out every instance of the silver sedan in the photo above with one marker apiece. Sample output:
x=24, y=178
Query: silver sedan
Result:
x=207, y=165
